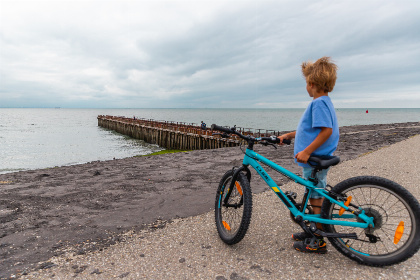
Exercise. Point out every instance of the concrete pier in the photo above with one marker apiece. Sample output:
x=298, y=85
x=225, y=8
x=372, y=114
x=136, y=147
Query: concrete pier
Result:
x=172, y=135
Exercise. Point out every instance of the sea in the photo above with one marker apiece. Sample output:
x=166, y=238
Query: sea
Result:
x=35, y=138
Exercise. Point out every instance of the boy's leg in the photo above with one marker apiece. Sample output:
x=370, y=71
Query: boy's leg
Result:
x=316, y=204
x=316, y=200
x=304, y=243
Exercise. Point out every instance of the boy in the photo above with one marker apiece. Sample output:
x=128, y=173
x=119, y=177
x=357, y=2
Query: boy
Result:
x=316, y=134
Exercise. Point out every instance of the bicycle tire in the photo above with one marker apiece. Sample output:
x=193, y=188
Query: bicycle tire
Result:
x=232, y=222
x=389, y=204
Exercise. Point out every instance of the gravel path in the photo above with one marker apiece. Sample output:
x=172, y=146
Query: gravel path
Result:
x=190, y=248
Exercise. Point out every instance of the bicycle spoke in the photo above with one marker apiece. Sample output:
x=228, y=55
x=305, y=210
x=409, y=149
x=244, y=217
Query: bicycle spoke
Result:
x=398, y=211
x=389, y=194
x=389, y=208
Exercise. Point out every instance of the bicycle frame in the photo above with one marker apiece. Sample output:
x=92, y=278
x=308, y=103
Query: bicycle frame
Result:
x=253, y=159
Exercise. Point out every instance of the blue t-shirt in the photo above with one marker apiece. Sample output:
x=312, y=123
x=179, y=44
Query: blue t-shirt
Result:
x=320, y=113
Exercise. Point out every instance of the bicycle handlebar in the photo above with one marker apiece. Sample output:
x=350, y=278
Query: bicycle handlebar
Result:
x=274, y=139
x=221, y=128
x=271, y=139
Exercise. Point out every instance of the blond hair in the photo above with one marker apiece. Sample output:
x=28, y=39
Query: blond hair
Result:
x=322, y=73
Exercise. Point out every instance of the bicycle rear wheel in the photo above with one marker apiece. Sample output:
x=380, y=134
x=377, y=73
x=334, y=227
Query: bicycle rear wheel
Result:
x=233, y=209
x=396, y=234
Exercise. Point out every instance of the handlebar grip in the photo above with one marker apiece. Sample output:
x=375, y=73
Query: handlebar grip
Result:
x=286, y=141
x=274, y=139
x=221, y=128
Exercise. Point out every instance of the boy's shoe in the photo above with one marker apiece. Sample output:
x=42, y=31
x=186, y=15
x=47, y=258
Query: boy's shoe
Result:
x=311, y=245
x=300, y=236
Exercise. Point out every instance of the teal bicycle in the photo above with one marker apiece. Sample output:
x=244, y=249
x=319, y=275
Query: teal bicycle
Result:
x=371, y=220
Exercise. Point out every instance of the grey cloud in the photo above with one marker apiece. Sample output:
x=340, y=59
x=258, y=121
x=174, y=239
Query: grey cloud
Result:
x=239, y=55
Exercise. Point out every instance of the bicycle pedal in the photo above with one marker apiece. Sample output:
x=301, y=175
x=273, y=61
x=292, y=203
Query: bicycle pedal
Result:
x=290, y=194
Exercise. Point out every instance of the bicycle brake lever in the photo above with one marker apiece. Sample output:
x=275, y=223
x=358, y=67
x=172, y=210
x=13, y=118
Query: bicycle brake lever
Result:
x=265, y=143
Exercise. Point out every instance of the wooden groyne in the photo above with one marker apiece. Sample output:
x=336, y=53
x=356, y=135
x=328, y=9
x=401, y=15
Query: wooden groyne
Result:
x=173, y=135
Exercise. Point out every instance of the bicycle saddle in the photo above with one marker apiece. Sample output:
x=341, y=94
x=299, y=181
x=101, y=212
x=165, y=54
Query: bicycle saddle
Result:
x=323, y=162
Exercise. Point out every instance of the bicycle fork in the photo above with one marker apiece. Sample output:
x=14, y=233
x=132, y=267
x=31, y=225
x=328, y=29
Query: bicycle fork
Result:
x=233, y=184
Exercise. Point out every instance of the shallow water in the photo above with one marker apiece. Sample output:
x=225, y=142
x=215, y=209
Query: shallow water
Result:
x=42, y=138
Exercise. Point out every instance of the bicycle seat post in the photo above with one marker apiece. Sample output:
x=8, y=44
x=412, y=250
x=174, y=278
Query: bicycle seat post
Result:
x=313, y=177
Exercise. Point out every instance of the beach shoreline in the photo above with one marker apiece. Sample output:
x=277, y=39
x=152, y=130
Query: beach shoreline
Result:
x=88, y=207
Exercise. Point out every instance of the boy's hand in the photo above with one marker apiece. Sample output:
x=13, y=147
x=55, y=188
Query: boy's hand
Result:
x=287, y=136
x=282, y=137
x=302, y=157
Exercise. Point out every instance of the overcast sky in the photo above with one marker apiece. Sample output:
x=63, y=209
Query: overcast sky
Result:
x=206, y=54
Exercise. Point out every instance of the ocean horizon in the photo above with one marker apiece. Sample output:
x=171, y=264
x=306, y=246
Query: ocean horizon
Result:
x=33, y=138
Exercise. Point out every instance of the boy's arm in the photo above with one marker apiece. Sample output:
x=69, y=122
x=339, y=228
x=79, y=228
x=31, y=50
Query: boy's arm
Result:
x=304, y=155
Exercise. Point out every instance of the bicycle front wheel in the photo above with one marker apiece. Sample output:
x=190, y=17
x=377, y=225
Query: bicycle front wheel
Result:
x=233, y=208
x=395, y=236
